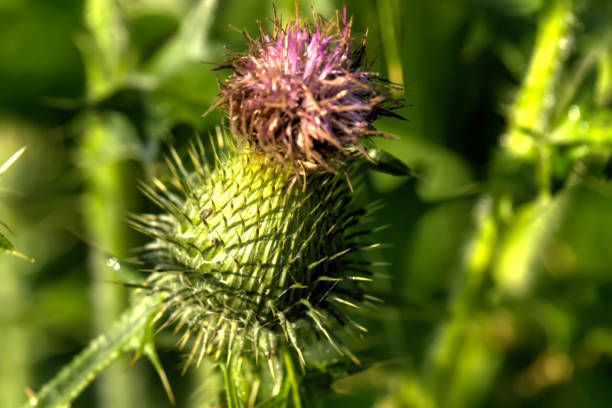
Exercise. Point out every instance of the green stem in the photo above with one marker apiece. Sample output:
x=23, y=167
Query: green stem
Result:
x=292, y=379
x=231, y=386
x=387, y=10
x=531, y=112
x=446, y=357
x=462, y=364
x=103, y=160
x=126, y=334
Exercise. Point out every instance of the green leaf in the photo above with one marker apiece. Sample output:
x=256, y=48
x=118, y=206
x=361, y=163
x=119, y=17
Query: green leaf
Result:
x=74, y=377
x=231, y=392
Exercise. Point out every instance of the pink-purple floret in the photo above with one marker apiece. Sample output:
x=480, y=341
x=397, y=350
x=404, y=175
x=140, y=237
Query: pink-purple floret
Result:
x=301, y=93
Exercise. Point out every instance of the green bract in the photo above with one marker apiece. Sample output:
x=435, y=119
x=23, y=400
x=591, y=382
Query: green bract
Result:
x=249, y=258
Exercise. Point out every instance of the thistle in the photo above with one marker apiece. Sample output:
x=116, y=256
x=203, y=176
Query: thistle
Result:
x=246, y=262
x=304, y=95
x=247, y=266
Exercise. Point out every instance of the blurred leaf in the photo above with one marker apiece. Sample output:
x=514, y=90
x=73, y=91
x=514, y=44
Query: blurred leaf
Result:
x=184, y=95
x=447, y=225
x=445, y=174
x=104, y=48
x=585, y=237
x=149, y=31
x=183, y=89
x=524, y=243
x=386, y=163
x=599, y=341
x=190, y=43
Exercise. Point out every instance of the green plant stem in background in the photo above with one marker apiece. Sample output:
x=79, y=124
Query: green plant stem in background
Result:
x=604, y=85
x=104, y=48
x=292, y=379
x=463, y=361
x=102, y=157
x=530, y=121
x=389, y=36
x=442, y=380
x=531, y=112
x=128, y=333
x=104, y=207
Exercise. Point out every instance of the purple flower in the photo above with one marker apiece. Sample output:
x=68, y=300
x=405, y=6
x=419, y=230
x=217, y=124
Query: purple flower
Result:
x=303, y=95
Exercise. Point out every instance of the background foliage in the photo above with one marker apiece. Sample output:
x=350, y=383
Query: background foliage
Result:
x=499, y=289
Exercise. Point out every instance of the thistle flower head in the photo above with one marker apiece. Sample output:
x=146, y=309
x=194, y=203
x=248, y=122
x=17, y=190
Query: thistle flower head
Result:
x=248, y=262
x=303, y=94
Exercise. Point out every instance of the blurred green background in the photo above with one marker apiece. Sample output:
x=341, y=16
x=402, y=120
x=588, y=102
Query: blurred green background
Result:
x=499, y=289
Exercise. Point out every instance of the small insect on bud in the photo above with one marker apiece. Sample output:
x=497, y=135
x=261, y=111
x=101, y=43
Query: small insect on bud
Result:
x=214, y=242
x=271, y=265
x=303, y=94
x=205, y=213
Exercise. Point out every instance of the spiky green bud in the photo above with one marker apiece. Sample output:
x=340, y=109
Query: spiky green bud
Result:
x=249, y=259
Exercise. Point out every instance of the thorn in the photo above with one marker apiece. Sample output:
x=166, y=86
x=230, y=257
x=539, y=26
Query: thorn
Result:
x=344, y=302
x=132, y=362
x=351, y=356
x=339, y=254
x=193, y=352
x=316, y=263
x=7, y=164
